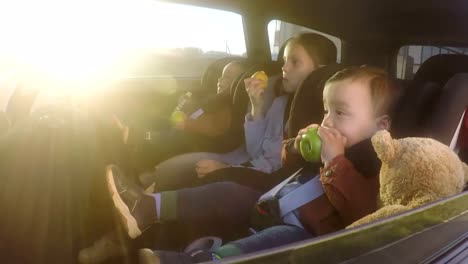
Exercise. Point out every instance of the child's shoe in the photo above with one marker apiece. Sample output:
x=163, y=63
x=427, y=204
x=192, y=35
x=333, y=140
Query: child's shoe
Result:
x=136, y=208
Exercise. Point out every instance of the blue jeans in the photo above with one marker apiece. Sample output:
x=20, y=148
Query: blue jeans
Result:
x=226, y=208
x=269, y=238
x=222, y=208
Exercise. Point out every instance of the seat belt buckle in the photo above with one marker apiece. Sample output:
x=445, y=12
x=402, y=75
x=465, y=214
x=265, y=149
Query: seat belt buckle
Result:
x=266, y=214
x=266, y=207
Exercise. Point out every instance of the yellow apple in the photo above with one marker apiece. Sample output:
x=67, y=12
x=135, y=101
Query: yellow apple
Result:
x=262, y=76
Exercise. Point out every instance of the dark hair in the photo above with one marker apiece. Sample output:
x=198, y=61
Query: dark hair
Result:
x=321, y=49
x=242, y=63
x=384, y=91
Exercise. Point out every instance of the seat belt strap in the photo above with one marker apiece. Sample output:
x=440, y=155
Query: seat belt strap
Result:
x=305, y=193
x=272, y=193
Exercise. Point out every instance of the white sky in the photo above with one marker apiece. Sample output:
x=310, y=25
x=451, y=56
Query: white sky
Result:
x=81, y=36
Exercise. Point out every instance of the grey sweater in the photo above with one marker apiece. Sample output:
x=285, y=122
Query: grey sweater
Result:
x=264, y=137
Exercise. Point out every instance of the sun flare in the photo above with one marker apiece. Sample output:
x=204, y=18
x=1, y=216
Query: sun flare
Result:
x=82, y=40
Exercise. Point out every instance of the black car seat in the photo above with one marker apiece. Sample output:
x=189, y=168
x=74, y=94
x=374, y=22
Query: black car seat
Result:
x=416, y=102
x=210, y=77
x=422, y=94
x=448, y=109
x=449, y=120
x=307, y=105
x=440, y=68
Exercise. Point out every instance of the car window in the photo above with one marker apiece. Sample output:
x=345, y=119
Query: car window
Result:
x=280, y=31
x=137, y=38
x=411, y=57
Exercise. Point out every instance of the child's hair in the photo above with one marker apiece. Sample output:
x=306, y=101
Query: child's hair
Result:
x=383, y=89
x=321, y=49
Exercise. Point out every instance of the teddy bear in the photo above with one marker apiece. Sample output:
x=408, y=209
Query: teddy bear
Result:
x=414, y=171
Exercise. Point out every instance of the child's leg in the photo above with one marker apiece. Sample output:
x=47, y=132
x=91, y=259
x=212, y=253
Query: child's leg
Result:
x=222, y=205
x=178, y=172
x=158, y=146
x=272, y=237
x=249, y=177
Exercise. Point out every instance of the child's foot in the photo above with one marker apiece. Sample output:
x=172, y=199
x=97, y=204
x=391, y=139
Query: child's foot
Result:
x=147, y=256
x=103, y=249
x=136, y=209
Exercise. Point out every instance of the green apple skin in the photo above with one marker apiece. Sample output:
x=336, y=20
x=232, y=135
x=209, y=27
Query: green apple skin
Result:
x=311, y=145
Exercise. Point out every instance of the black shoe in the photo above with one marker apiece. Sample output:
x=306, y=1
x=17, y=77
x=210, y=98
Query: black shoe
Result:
x=136, y=209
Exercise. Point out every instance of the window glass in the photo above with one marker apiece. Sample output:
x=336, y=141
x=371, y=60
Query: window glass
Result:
x=133, y=38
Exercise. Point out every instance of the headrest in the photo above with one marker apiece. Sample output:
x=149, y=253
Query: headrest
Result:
x=440, y=68
x=209, y=79
x=414, y=107
x=448, y=109
x=307, y=105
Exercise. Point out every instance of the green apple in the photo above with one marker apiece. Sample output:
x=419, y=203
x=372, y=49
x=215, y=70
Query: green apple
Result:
x=311, y=145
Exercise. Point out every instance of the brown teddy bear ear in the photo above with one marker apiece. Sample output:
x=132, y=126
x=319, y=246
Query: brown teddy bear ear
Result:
x=384, y=145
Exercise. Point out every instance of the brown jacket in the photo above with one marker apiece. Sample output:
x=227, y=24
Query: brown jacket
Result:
x=211, y=124
x=349, y=195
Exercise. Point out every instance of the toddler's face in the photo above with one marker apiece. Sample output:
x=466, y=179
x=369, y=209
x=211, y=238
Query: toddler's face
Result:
x=230, y=72
x=348, y=109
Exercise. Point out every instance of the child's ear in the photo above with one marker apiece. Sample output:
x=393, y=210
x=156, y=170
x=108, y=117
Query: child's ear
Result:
x=384, y=122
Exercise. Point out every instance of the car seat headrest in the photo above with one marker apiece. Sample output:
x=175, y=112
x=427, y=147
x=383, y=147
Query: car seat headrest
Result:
x=307, y=104
x=440, y=68
x=210, y=77
x=448, y=109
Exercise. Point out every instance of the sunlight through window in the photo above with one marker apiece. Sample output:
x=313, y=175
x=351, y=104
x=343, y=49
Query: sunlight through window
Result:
x=78, y=40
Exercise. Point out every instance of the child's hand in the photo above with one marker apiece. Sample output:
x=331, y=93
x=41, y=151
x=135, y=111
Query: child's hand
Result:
x=206, y=166
x=255, y=92
x=333, y=143
x=298, y=139
x=124, y=129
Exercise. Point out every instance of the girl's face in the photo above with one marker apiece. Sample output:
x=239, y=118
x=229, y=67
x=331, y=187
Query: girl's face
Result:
x=297, y=66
